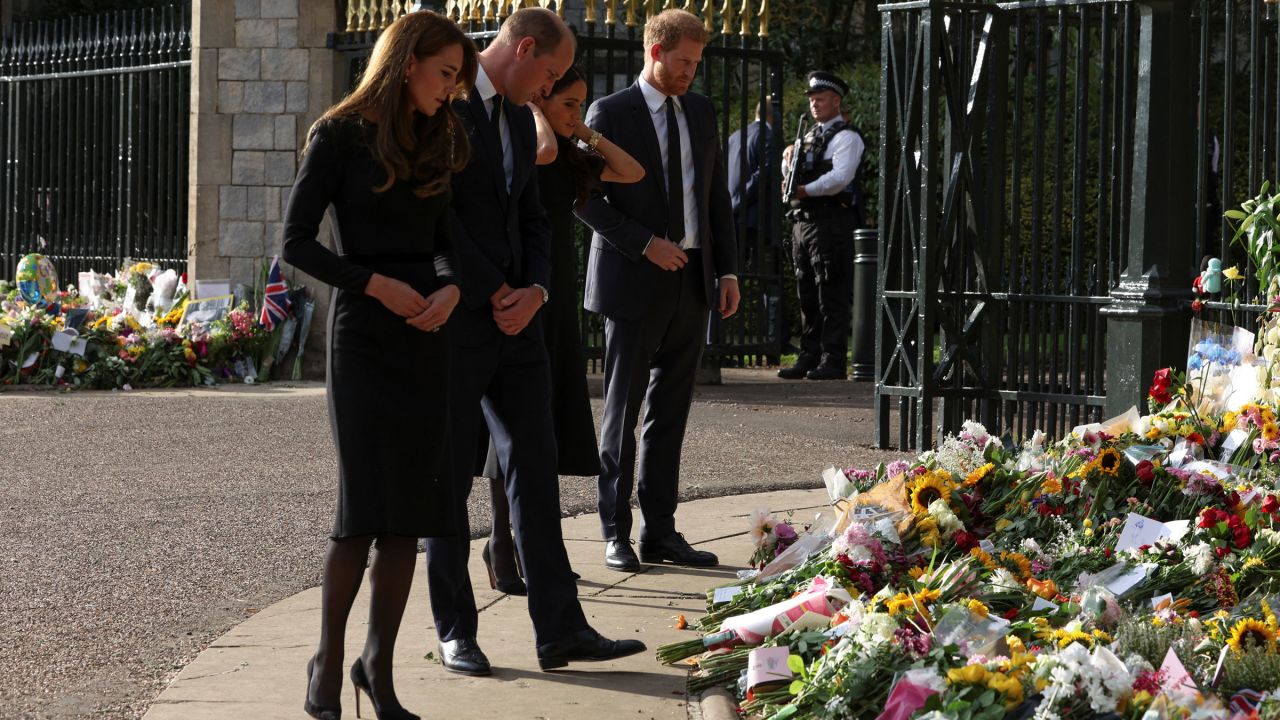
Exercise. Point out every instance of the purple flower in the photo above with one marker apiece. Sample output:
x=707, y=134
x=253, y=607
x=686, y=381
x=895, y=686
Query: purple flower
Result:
x=784, y=531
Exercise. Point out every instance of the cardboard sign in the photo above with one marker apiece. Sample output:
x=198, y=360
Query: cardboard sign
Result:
x=768, y=666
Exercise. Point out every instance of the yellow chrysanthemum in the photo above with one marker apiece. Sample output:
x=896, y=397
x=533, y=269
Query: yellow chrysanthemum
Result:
x=1228, y=422
x=1003, y=523
x=925, y=489
x=1252, y=633
x=1271, y=432
x=1051, y=486
x=916, y=572
x=977, y=608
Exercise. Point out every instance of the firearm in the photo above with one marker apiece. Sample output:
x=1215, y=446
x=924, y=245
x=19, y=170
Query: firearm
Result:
x=789, y=183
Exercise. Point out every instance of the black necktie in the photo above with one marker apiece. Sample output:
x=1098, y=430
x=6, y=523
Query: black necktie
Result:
x=495, y=118
x=675, y=178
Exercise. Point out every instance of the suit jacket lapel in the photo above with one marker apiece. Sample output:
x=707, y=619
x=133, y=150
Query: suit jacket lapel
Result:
x=648, y=137
x=491, y=143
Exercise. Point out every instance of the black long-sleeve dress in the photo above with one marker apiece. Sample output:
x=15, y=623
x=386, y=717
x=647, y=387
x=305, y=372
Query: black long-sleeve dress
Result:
x=570, y=401
x=387, y=381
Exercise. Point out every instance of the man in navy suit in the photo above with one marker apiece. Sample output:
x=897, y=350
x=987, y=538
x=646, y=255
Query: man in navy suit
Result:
x=663, y=252
x=500, y=366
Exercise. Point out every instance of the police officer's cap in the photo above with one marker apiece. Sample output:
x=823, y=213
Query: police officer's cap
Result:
x=820, y=80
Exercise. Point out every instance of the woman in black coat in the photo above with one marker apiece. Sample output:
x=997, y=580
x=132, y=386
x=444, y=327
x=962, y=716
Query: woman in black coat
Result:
x=566, y=178
x=382, y=159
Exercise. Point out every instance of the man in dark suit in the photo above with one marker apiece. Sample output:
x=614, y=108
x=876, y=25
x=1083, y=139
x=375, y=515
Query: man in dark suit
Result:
x=744, y=177
x=500, y=367
x=663, y=252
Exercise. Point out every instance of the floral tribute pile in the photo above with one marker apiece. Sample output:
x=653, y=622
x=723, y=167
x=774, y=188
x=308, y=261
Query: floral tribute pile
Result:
x=1129, y=570
x=132, y=330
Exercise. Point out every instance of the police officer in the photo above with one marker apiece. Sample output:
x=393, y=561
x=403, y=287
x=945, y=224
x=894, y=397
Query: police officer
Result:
x=826, y=207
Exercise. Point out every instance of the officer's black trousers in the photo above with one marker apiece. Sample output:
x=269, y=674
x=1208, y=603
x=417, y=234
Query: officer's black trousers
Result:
x=822, y=247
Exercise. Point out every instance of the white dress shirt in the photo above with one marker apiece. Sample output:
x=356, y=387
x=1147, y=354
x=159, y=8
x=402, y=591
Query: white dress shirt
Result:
x=484, y=86
x=845, y=153
x=658, y=114
x=656, y=100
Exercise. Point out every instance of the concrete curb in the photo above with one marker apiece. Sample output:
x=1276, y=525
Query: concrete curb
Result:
x=717, y=704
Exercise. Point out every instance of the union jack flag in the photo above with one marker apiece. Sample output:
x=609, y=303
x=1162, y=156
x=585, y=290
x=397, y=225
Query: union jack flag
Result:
x=275, y=301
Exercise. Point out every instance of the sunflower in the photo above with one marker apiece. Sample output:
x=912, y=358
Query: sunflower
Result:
x=1252, y=633
x=983, y=557
x=1018, y=564
x=978, y=475
x=925, y=489
x=1062, y=638
x=1108, y=461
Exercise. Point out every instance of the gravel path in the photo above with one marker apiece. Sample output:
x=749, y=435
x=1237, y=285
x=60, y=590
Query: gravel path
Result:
x=139, y=527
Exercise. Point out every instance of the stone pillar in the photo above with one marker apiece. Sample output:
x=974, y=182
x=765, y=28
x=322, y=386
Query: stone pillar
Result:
x=260, y=75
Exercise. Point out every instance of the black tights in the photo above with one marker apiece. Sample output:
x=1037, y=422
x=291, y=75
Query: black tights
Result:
x=390, y=577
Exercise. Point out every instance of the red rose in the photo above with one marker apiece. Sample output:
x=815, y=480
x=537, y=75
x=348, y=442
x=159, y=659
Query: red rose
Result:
x=1160, y=394
x=1146, y=472
x=1163, y=377
x=1270, y=504
x=1222, y=551
x=1011, y=614
x=1196, y=306
x=966, y=540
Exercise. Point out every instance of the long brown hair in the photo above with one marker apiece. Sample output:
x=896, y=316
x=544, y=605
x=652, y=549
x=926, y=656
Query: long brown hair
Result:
x=411, y=146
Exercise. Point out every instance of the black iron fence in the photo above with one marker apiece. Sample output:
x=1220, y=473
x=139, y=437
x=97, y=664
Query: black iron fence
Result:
x=93, y=139
x=1053, y=173
x=739, y=71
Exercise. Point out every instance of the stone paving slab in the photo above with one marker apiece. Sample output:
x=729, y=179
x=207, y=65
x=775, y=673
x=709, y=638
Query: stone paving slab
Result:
x=257, y=668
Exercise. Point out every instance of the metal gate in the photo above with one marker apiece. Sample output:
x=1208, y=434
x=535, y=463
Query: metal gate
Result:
x=93, y=142
x=738, y=71
x=1050, y=182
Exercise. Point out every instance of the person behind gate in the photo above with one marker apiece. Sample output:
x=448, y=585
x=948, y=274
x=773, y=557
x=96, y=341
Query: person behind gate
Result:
x=502, y=239
x=663, y=252
x=826, y=207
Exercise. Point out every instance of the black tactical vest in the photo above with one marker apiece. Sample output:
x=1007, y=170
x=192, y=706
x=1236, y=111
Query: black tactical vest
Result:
x=814, y=165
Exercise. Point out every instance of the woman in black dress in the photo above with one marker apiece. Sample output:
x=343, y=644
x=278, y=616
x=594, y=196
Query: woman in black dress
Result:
x=583, y=160
x=382, y=158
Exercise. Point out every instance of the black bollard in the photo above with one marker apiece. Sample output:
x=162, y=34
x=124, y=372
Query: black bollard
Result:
x=865, y=261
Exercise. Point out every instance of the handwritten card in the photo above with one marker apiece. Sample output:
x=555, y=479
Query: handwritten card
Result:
x=768, y=665
x=1140, y=530
x=1233, y=441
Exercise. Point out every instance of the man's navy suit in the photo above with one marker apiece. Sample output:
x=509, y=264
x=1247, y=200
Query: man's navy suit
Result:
x=655, y=319
x=502, y=237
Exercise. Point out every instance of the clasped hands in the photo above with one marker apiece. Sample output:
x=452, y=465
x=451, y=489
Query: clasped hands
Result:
x=428, y=313
x=668, y=256
x=513, y=309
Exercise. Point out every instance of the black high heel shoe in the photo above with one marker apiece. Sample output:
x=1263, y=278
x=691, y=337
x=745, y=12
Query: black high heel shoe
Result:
x=512, y=586
x=318, y=712
x=361, y=682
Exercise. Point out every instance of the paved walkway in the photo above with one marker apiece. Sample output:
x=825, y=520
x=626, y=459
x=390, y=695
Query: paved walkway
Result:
x=257, y=669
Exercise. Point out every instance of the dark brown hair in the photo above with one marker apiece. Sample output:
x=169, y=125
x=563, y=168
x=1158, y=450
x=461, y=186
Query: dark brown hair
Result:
x=584, y=168
x=411, y=146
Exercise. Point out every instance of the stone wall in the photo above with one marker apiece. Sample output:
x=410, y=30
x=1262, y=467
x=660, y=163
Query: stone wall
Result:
x=260, y=75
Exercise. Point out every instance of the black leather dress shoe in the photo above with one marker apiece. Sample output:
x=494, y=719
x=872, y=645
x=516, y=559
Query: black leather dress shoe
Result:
x=463, y=656
x=619, y=556
x=674, y=548
x=803, y=365
x=585, y=646
x=828, y=371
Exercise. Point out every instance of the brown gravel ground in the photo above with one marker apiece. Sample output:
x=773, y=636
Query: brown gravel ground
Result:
x=138, y=527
